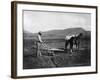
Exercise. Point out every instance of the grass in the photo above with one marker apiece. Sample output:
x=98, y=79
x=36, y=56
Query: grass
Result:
x=60, y=59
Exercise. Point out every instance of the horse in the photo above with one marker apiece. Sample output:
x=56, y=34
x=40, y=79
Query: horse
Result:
x=72, y=40
x=76, y=40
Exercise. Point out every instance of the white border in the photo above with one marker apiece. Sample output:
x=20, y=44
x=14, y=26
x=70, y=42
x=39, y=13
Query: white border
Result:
x=31, y=72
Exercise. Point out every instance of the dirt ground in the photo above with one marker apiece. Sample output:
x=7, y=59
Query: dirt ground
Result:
x=78, y=58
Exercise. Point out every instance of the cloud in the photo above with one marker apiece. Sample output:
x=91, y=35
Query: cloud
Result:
x=35, y=21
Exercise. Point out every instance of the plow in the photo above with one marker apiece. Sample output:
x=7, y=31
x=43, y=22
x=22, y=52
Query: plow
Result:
x=48, y=50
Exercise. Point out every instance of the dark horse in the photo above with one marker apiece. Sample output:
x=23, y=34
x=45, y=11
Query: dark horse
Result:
x=76, y=40
x=73, y=40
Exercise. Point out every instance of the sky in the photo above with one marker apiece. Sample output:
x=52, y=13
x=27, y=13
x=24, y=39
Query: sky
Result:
x=35, y=21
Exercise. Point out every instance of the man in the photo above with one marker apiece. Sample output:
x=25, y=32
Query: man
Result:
x=42, y=46
x=71, y=43
x=67, y=38
x=39, y=44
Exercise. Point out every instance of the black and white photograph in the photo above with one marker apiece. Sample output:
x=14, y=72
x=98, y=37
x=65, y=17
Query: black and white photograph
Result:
x=56, y=39
x=53, y=39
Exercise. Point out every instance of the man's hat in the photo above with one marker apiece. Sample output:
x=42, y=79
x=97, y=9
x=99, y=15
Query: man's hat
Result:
x=39, y=33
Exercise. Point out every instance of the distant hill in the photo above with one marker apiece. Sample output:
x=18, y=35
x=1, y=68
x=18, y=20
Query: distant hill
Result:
x=27, y=34
x=57, y=34
x=62, y=33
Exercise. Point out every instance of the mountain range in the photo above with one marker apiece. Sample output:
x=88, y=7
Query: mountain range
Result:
x=57, y=34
